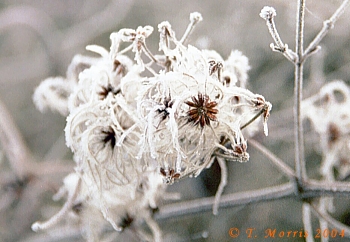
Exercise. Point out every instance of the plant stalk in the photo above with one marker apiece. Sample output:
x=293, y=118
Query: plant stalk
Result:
x=298, y=85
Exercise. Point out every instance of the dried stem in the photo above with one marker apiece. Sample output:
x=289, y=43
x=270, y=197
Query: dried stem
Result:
x=298, y=85
x=268, y=14
x=150, y=55
x=154, y=228
x=227, y=200
x=194, y=18
x=331, y=221
x=57, y=217
x=253, y=119
x=327, y=25
x=123, y=51
x=324, y=205
x=276, y=37
x=314, y=188
x=323, y=226
x=222, y=184
x=275, y=160
x=305, y=188
x=307, y=222
x=13, y=143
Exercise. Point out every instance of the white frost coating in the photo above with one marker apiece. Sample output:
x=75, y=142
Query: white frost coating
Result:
x=267, y=13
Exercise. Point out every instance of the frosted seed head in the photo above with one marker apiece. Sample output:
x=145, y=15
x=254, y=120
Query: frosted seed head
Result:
x=268, y=13
x=195, y=17
x=131, y=132
x=145, y=31
x=53, y=94
x=127, y=35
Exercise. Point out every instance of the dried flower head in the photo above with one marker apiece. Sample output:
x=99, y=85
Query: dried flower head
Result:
x=329, y=114
x=202, y=110
x=195, y=17
x=169, y=175
x=131, y=132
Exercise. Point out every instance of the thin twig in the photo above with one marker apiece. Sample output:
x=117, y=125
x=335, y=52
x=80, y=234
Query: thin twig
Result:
x=13, y=143
x=324, y=205
x=331, y=221
x=268, y=14
x=314, y=188
x=253, y=119
x=61, y=233
x=227, y=200
x=276, y=37
x=58, y=216
x=298, y=128
x=231, y=157
x=300, y=29
x=307, y=222
x=327, y=25
x=275, y=160
x=194, y=19
x=149, y=54
x=154, y=228
x=222, y=184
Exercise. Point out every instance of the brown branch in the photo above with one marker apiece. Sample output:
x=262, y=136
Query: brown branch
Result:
x=327, y=25
x=228, y=200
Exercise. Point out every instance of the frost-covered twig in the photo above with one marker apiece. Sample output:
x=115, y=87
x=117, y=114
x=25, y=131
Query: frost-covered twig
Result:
x=268, y=13
x=222, y=184
x=331, y=221
x=227, y=200
x=307, y=221
x=327, y=25
x=194, y=19
x=60, y=215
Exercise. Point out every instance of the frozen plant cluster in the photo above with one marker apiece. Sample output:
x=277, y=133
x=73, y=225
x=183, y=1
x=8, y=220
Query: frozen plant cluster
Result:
x=329, y=114
x=135, y=125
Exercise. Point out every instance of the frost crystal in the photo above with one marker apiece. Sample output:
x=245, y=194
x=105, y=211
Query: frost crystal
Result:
x=135, y=126
x=268, y=13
